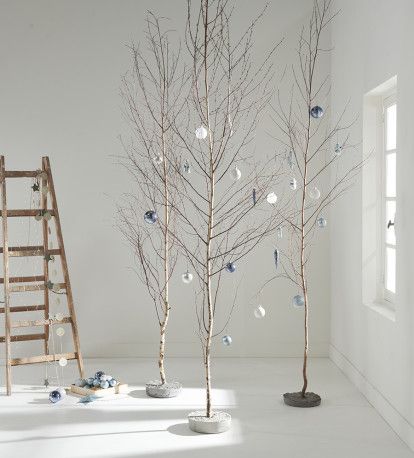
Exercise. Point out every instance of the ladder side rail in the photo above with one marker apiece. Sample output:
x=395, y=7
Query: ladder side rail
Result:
x=45, y=262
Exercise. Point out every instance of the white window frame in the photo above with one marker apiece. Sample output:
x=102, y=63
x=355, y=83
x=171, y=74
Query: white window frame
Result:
x=385, y=294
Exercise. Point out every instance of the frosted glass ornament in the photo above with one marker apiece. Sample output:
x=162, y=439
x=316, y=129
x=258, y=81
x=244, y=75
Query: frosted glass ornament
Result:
x=201, y=133
x=276, y=257
x=56, y=287
x=187, y=167
x=227, y=340
x=38, y=217
x=290, y=159
x=81, y=382
x=151, y=217
x=112, y=382
x=316, y=112
x=99, y=375
x=63, y=362
x=187, y=277
x=293, y=184
x=54, y=396
x=321, y=222
x=158, y=159
x=104, y=384
x=230, y=267
x=279, y=232
x=314, y=193
x=298, y=301
x=60, y=332
x=338, y=149
x=271, y=198
x=59, y=316
x=235, y=174
x=259, y=312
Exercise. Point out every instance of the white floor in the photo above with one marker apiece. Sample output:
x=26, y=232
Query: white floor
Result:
x=132, y=425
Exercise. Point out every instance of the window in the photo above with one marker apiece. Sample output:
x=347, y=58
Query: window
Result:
x=389, y=194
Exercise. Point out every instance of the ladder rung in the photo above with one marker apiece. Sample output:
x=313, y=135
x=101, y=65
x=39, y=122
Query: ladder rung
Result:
x=24, y=279
x=18, y=251
x=24, y=288
x=24, y=308
x=14, y=213
x=42, y=358
x=21, y=173
x=30, y=323
x=24, y=337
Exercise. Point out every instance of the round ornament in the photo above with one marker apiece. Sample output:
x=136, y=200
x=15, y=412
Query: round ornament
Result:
x=230, y=267
x=314, y=193
x=99, y=375
x=290, y=159
x=158, y=159
x=227, y=340
x=235, y=174
x=321, y=222
x=54, y=396
x=201, y=133
x=151, y=217
x=316, y=112
x=89, y=381
x=38, y=217
x=259, y=312
x=104, y=384
x=60, y=332
x=63, y=362
x=271, y=198
x=338, y=149
x=187, y=167
x=81, y=382
x=59, y=316
x=298, y=301
x=112, y=382
x=96, y=382
x=187, y=277
x=47, y=216
x=293, y=184
x=55, y=287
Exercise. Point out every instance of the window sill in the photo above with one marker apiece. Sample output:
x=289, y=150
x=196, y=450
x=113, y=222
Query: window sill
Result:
x=384, y=308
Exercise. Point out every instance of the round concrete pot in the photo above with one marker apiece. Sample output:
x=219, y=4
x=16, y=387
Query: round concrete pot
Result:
x=296, y=399
x=217, y=423
x=157, y=389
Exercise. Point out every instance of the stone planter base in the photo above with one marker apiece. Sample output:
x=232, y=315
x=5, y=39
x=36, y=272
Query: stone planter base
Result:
x=217, y=423
x=296, y=399
x=156, y=389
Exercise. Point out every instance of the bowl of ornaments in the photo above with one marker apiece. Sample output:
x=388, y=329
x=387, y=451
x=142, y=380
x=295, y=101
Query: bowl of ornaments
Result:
x=100, y=384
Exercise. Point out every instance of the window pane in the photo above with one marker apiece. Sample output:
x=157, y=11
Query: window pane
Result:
x=390, y=216
x=390, y=174
x=390, y=270
x=391, y=141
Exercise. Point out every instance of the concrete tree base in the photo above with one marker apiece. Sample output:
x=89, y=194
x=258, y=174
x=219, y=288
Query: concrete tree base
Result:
x=296, y=399
x=217, y=423
x=156, y=389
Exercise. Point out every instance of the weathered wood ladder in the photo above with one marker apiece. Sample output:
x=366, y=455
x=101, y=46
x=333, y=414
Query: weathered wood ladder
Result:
x=35, y=283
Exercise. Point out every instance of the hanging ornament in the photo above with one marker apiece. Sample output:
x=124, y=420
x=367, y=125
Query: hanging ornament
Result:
x=151, y=217
x=298, y=301
x=230, y=267
x=338, y=149
x=254, y=196
x=201, y=133
x=187, y=277
x=230, y=124
x=54, y=396
x=56, y=287
x=290, y=159
x=63, y=362
x=321, y=222
x=60, y=332
x=235, y=174
x=46, y=382
x=45, y=190
x=314, y=193
x=259, y=312
x=271, y=198
x=49, y=284
x=227, y=340
x=279, y=232
x=187, y=167
x=48, y=257
x=316, y=112
x=158, y=159
x=276, y=257
x=38, y=216
x=59, y=316
x=35, y=187
x=293, y=184
x=46, y=215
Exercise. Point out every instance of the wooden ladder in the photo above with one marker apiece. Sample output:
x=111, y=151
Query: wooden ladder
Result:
x=34, y=283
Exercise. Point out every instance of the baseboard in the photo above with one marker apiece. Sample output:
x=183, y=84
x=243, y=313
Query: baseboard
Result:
x=389, y=413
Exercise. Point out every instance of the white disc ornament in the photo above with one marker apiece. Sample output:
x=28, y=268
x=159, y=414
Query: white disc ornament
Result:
x=271, y=198
x=60, y=332
x=235, y=174
x=201, y=133
x=187, y=277
x=63, y=362
x=293, y=184
x=314, y=193
x=259, y=312
x=59, y=316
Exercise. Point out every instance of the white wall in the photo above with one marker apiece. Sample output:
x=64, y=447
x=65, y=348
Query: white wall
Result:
x=59, y=83
x=373, y=41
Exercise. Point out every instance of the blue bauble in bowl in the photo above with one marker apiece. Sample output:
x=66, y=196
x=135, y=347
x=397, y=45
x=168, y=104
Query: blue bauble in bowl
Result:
x=99, y=375
x=112, y=382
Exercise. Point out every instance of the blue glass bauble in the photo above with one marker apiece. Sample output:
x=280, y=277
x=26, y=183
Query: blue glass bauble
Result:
x=89, y=381
x=96, y=382
x=338, y=149
x=80, y=382
x=104, y=384
x=54, y=396
x=230, y=267
x=298, y=301
x=151, y=217
x=112, y=382
x=321, y=222
x=227, y=340
x=276, y=257
x=316, y=112
x=99, y=374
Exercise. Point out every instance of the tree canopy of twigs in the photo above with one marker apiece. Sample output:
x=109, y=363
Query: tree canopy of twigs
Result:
x=151, y=91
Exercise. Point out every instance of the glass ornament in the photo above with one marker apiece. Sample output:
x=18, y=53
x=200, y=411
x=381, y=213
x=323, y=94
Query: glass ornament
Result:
x=96, y=382
x=151, y=217
x=187, y=277
x=338, y=149
x=99, y=374
x=81, y=382
x=235, y=174
x=104, y=384
x=158, y=159
x=59, y=316
x=63, y=362
x=47, y=216
x=259, y=312
x=187, y=167
x=54, y=396
x=314, y=193
x=35, y=187
x=276, y=257
x=271, y=198
x=89, y=381
x=316, y=112
x=56, y=287
x=293, y=184
x=201, y=133
x=298, y=301
x=254, y=197
x=230, y=267
x=290, y=159
x=60, y=332
x=38, y=217
x=279, y=232
x=112, y=382
x=321, y=222
x=227, y=340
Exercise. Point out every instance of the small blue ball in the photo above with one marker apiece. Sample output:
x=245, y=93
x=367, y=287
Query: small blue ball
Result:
x=227, y=340
x=80, y=382
x=99, y=374
x=54, y=396
x=230, y=267
x=151, y=217
x=96, y=382
x=316, y=112
x=89, y=381
x=104, y=384
x=321, y=222
x=112, y=382
x=298, y=301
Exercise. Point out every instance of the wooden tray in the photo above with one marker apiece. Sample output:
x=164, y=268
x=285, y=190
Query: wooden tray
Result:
x=84, y=391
